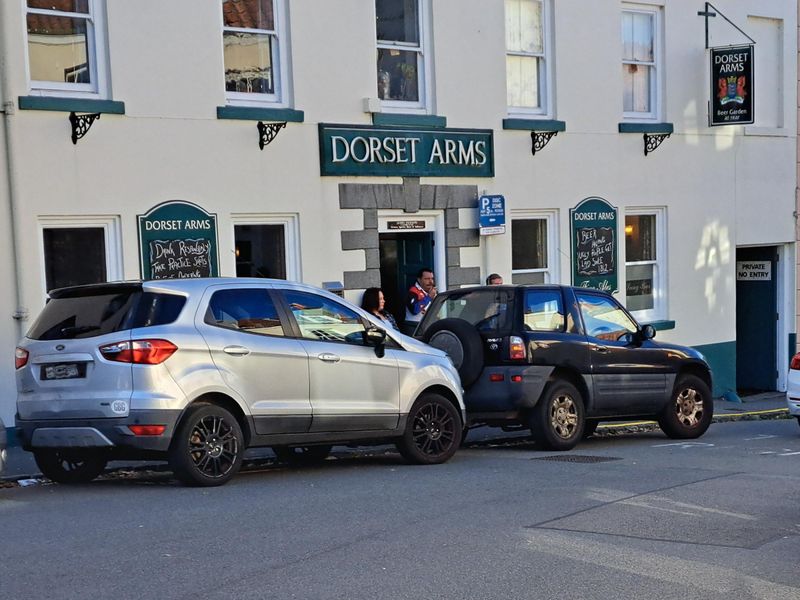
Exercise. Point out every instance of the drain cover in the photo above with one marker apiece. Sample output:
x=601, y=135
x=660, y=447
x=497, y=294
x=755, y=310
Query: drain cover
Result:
x=577, y=458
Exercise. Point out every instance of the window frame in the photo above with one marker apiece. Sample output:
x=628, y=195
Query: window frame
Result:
x=656, y=67
x=96, y=53
x=281, y=82
x=424, y=65
x=286, y=329
x=545, y=75
x=659, y=310
x=551, y=272
x=111, y=236
x=297, y=328
x=291, y=239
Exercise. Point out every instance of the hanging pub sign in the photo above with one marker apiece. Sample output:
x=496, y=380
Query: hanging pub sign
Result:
x=593, y=226
x=367, y=150
x=732, y=101
x=178, y=240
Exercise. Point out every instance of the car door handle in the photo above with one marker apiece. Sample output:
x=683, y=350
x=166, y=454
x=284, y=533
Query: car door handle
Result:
x=236, y=350
x=600, y=349
x=328, y=357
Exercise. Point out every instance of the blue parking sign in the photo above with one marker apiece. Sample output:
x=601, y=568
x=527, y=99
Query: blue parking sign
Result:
x=492, y=215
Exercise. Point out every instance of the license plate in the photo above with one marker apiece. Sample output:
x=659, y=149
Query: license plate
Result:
x=65, y=371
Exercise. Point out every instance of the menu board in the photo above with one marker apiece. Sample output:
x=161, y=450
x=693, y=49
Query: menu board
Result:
x=594, y=244
x=178, y=240
x=594, y=251
x=180, y=259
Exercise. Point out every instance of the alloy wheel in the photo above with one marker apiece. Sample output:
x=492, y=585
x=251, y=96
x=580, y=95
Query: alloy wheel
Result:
x=434, y=429
x=213, y=446
x=689, y=406
x=563, y=416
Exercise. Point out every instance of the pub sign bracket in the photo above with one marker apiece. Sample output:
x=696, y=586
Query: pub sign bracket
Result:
x=268, y=132
x=706, y=13
x=653, y=141
x=539, y=140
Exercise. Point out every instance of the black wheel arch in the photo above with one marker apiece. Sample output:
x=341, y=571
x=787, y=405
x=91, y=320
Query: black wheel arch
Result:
x=228, y=404
x=700, y=371
x=575, y=378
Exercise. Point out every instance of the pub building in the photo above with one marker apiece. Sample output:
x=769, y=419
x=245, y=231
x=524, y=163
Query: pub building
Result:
x=550, y=142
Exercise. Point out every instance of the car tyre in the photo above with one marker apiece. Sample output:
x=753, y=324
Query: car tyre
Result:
x=690, y=409
x=208, y=446
x=462, y=343
x=66, y=465
x=557, y=420
x=433, y=431
x=301, y=455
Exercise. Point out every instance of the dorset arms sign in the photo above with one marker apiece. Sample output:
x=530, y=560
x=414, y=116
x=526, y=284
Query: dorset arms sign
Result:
x=593, y=224
x=732, y=100
x=406, y=152
x=178, y=240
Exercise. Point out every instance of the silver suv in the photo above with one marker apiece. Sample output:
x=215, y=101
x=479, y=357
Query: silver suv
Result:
x=196, y=371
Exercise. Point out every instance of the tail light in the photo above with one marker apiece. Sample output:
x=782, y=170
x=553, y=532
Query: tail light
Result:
x=794, y=365
x=516, y=348
x=139, y=352
x=21, y=358
x=147, y=429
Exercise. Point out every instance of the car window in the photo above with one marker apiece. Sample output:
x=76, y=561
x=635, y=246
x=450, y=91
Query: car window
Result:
x=246, y=309
x=544, y=310
x=490, y=311
x=604, y=318
x=320, y=318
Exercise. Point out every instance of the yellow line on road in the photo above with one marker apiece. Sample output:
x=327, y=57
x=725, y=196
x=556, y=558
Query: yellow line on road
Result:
x=723, y=415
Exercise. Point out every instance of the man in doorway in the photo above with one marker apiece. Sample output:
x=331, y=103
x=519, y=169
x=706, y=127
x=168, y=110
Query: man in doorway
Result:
x=494, y=279
x=419, y=299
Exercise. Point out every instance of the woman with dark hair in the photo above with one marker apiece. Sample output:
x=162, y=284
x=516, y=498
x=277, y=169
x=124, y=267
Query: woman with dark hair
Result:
x=374, y=302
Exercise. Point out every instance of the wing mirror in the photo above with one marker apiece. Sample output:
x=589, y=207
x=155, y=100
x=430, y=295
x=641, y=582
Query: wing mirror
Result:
x=374, y=336
x=648, y=332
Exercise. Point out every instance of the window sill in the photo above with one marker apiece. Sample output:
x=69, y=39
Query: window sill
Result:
x=254, y=113
x=534, y=124
x=78, y=105
x=646, y=128
x=408, y=120
x=662, y=325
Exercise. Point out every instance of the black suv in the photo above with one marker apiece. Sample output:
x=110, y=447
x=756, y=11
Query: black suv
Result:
x=560, y=359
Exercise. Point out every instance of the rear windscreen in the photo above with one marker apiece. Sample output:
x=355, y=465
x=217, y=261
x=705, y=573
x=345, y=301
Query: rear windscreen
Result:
x=489, y=310
x=93, y=315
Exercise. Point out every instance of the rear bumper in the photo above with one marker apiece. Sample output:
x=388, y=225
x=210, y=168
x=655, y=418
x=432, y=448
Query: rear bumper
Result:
x=794, y=405
x=113, y=434
x=513, y=388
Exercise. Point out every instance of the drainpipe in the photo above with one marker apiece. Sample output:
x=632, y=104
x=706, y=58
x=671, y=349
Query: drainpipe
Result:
x=8, y=109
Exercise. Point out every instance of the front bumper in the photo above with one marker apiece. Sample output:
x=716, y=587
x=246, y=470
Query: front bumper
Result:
x=112, y=434
x=794, y=405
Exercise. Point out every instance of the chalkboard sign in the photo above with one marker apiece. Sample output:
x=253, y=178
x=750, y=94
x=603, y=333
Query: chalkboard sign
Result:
x=178, y=240
x=594, y=244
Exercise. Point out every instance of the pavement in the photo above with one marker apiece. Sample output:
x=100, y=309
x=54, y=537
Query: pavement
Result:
x=21, y=467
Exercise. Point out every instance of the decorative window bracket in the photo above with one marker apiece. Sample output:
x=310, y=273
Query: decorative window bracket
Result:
x=539, y=140
x=268, y=132
x=81, y=124
x=653, y=141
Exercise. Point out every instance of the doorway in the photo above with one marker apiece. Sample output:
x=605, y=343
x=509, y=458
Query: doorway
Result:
x=402, y=255
x=756, y=319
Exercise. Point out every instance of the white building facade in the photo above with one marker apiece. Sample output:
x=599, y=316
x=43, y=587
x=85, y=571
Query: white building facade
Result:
x=348, y=143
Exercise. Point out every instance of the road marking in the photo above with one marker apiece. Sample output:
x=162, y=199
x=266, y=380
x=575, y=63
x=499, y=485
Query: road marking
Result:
x=789, y=454
x=685, y=445
x=763, y=436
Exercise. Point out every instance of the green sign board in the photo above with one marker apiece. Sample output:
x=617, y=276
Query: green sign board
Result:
x=405, y=152
x=593, y=225
x=178, y=240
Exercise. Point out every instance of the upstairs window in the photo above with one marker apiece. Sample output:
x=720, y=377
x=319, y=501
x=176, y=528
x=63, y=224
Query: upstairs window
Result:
x=401, y=64
x=65, y=45
x=526, y=49
x=640, y=98
x=252, y=54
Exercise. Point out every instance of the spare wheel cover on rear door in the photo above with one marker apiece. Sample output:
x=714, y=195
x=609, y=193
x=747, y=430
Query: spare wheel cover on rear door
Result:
x=463, y=344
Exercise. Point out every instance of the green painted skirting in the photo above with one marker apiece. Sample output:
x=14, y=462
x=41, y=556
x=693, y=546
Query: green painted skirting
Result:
x=721, y=358
x=255, y=113
x=78, y=105
x=535, y=124
x=408, y=120
x=646, y=128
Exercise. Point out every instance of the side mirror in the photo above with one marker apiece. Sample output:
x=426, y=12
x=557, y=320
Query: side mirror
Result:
x=376, y=337
x=629, y=339
x=648, y=332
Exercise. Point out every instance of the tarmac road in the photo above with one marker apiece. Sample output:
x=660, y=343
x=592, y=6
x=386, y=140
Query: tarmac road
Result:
x=627, y=516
